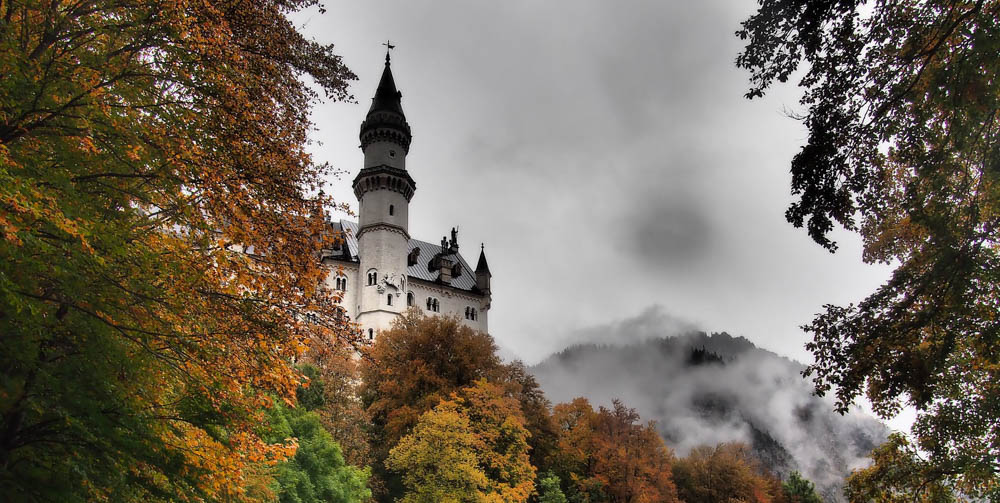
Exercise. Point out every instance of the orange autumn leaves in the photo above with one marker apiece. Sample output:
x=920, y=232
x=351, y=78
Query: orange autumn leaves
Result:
x=608, y=453
x=159, y=222
x=451, y=422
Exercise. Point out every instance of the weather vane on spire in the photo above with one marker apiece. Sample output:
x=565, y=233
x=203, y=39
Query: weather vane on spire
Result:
x=389, y=47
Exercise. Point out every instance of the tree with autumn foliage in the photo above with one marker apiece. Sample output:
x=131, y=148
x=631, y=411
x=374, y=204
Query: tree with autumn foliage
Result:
x=438, y=459
x=725, y=473
x=422, y=360
x=899, y=473
x=159, y=228
x=332, y=393
x=473, y=447
x=608, y=456
x=902, y=105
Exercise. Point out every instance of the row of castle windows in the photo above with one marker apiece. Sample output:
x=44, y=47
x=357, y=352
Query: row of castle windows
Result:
x=391, y=182
x=433, y=304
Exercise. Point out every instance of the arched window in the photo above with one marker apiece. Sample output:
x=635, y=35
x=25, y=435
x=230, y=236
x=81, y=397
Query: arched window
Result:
x=467, y=309
x=388, y=299
x=391, y=209
x=372, y=277
x=437, y=306
x=371, y=334
x=429, y=303
x=409, y=299
x=474, y=314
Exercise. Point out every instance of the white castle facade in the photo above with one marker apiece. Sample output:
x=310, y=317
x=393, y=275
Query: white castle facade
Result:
x=381, y=271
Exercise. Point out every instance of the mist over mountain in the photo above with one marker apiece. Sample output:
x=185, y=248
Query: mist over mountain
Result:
x=707, y=389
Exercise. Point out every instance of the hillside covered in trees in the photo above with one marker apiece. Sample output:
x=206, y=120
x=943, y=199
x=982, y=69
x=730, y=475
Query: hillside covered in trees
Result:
x=708, y=389
x=446, y=420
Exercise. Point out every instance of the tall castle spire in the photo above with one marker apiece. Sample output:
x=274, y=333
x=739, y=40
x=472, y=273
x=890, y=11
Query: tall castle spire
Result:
x=385, y=120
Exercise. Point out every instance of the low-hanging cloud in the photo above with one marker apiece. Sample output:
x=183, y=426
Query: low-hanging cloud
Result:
x=670, y=234
x=753, y=392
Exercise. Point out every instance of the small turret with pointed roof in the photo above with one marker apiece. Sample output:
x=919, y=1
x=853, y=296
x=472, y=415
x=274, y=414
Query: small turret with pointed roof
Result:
x=483, y=271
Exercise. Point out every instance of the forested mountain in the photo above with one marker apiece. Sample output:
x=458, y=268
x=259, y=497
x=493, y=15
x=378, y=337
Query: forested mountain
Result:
x=707, y=389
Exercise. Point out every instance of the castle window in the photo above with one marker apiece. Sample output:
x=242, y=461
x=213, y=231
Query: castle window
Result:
x=372, y=277
x=409, y=299
x=475, y=315
x=436, y=306
x=371, y=334
x=467, y=312
x=391, y=208
x=388, y=299
x=341, y=283
x=428, y=303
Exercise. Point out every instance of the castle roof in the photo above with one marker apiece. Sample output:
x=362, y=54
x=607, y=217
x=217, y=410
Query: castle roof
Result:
x=387, y=97
x=482, y=267
x=385, y=120
x=421, y=270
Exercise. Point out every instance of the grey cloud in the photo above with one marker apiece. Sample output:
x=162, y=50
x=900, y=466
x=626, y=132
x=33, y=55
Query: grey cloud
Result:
x=652, y=323
x=711, y=403
x=670, y=233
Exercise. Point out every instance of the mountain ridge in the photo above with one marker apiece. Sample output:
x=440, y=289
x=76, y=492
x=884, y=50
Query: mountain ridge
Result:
x=704, y=388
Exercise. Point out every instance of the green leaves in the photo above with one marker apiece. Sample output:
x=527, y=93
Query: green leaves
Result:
x=800, y=490
x=317, y=472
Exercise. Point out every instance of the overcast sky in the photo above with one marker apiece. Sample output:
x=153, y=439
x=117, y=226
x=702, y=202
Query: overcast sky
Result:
x=604, y=153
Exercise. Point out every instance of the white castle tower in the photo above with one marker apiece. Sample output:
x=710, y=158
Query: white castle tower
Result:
x=384, y=189
x=379, y=269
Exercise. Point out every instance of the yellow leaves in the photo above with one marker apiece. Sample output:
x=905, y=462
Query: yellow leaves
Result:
x=127, y=162
x=133, y=152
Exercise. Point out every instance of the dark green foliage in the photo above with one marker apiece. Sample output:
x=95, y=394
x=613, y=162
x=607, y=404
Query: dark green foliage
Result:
x=702, y=356
x=311, y=396
x=800, y=490
x=318, y=472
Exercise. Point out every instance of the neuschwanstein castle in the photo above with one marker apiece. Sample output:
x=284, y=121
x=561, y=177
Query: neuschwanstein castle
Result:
x=383, y=271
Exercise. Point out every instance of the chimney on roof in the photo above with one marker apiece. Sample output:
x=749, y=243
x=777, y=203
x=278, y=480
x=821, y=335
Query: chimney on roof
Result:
x=445, y=266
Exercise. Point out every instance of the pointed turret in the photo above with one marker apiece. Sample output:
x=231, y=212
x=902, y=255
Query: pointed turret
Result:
x=387, y=97
x=385, y=121
x=483, y=272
